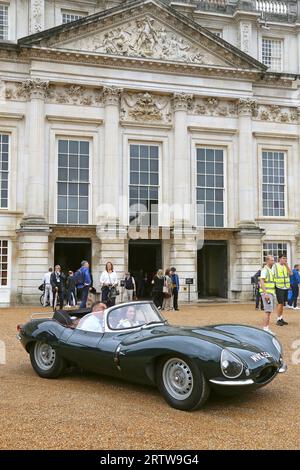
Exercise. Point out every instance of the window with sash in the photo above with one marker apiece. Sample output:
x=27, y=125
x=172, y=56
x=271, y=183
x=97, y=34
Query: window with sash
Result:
x=73, y=181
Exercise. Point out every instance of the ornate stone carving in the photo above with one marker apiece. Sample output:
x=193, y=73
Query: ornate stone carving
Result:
x=23, y=91
x=214, y=107
x=75, y=94
x=37, y=16
x=144, y=37
x=182, y=101
x=36, y=88
x=111, y=95
x=275, y=113
x=246, y=106
x=245, y=36
x=145, y=107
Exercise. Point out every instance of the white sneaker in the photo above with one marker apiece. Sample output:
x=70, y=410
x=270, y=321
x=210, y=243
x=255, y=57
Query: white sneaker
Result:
x=267, y=329
x=289, y=306
x=296, y=308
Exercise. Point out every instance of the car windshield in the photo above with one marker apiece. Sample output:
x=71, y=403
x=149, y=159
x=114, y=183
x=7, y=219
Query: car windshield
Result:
x=133, y=315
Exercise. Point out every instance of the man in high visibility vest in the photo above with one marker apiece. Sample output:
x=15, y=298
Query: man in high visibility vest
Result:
x=282, y=273
x=267, y=291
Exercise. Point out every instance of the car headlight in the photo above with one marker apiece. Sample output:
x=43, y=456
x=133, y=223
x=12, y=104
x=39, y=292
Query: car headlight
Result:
x=231, y=365
x=277, y=345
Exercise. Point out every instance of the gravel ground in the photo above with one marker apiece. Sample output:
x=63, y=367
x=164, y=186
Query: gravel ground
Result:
x=85, y=411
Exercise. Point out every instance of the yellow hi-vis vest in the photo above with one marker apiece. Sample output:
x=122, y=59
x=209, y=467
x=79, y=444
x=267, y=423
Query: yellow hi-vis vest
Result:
x=281, y=276
x=269, y=282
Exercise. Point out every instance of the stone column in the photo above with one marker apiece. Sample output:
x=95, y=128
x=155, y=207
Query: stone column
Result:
x=112, y=236
x=112, y=157
x=248, y=244
x=183, y=247
x=247, y=180
x=181, y=155
x=35, y=184
x=33, y=235
x=37, y=16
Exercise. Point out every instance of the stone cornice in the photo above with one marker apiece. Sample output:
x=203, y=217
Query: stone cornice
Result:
x=135, y=63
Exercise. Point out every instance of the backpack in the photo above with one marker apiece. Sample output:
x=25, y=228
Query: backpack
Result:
x=129, y=283
x=79, y=278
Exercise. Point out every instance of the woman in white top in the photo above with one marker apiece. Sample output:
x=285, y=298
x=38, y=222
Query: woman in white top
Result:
x=108, y=283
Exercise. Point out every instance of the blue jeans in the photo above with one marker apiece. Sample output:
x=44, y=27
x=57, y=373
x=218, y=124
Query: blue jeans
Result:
x=84, y=296
x=294, y=299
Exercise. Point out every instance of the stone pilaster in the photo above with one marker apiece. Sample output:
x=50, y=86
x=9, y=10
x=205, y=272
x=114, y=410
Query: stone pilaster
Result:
x=112, y=162
x=181, y=163
x=35, y=183
x=247, y=180
x=37, y=16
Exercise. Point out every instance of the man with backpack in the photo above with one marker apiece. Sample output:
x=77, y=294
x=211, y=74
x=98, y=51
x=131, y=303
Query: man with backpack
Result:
x=83, y=282
x=129, y=285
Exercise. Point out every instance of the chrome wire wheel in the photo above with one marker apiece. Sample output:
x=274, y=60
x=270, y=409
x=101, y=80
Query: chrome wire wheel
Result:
x=178, y=378
x=44, y=356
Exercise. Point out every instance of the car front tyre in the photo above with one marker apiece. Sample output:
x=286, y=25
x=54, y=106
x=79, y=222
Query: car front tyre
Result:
x=182, y=383
x=45, y=360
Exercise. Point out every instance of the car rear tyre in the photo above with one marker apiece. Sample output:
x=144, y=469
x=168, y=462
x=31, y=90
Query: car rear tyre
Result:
x=45, y=360
x=181, y=383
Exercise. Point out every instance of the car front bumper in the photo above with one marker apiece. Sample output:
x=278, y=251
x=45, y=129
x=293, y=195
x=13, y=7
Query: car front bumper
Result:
x=242, y=382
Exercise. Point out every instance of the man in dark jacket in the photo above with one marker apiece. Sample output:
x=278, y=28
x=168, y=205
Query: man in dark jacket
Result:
x=175, y=285
x=85, y=284
x=57, y=281
x=71, y=290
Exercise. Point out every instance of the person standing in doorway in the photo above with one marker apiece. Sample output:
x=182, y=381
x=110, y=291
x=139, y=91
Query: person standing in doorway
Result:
x=267, y=291
x=282, y=273
x=175, y=285
x=57, y=280
x=71, y=290
x=130, y=286
x=84, y=281
x=295, y=283
x=108, y=283
x=48, y=296
x=167, y=302
x=158, y=286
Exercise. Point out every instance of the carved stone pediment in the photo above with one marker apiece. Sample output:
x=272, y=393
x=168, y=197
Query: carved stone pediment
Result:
x=146, y=30
x=145, y=37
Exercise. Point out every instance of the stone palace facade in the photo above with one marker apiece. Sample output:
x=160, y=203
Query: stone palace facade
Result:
x=112, y=110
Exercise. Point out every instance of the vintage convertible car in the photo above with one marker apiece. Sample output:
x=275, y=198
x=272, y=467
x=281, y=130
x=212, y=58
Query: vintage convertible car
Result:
x=185, y=363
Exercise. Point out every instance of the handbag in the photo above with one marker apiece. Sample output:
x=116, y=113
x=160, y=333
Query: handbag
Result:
x=42, y=287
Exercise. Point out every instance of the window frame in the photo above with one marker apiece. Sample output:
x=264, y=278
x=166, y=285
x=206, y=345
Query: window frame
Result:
x=79, y=13
x=8, y=172
x=8, y=285
x=279, y=149
x=277, y=242
x=271, y=38
x=7, y=5
x=78, y=138
x=148, y=143
x=225, y=176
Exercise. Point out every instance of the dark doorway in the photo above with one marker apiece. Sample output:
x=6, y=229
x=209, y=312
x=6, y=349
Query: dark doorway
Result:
x=212, y=269
x=69, y=252
x=144, y=259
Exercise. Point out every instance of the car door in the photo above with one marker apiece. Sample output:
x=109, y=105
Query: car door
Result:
x=83, y=348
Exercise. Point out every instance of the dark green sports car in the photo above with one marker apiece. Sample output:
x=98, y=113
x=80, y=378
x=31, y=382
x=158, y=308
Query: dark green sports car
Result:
x=137, y=344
